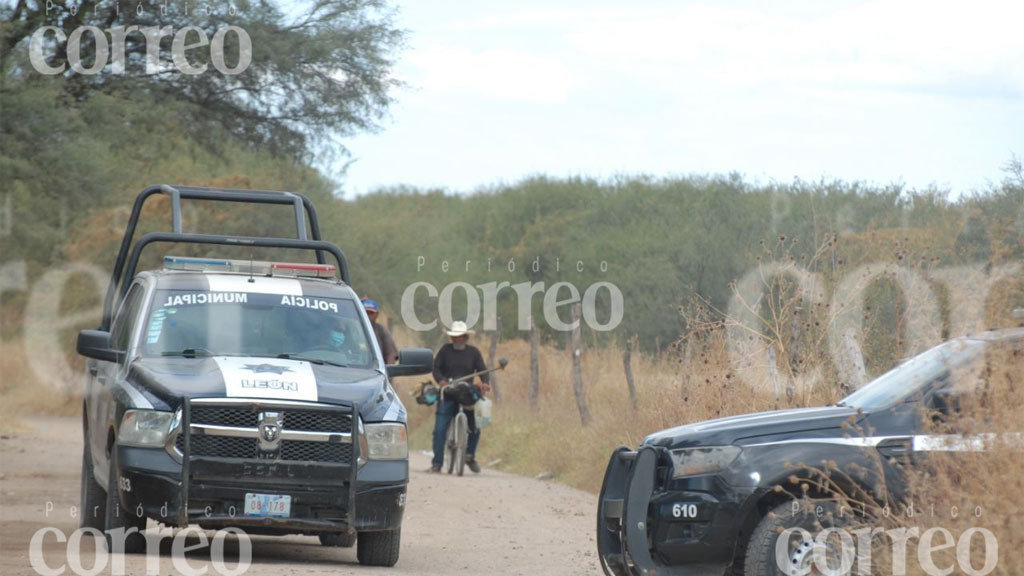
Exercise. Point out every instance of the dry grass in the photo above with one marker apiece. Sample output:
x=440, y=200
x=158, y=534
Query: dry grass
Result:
x=23, y=394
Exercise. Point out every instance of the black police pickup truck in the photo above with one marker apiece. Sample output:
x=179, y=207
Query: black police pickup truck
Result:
x=702, y=499
x=242, y=393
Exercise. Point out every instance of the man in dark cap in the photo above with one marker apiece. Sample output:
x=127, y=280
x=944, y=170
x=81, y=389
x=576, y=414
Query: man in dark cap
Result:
x=384, y=339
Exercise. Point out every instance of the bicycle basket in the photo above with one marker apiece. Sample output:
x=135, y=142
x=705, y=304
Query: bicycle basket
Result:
x=428, y=394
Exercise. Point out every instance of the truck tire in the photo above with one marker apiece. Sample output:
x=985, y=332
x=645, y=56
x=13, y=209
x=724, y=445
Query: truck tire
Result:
x=760, y=557
x=119, y=519
x=338, y=539
x=93, y=499
x=378, y=548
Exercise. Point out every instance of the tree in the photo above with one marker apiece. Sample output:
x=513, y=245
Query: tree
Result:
x=314, y=76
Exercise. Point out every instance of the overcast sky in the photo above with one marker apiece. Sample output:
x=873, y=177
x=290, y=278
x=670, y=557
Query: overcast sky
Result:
x=912, y=92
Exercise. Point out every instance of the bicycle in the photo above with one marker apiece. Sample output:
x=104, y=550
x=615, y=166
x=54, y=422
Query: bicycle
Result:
x=457, y=439
x=457, y=435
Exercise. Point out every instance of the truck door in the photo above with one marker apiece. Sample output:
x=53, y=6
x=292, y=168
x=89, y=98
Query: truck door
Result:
x=103, y=376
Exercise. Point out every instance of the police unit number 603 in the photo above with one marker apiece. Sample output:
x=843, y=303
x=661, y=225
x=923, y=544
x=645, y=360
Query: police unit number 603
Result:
x=684, y=510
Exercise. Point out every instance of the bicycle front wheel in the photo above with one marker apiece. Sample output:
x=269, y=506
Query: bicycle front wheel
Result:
x=461, y=442
x=450, y=444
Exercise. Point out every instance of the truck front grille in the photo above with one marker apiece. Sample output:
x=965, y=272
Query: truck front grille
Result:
x=232, y=431
x=314, y=421
x=224, y=416
x=294, y=419
x=222, y=446
x=316, y=451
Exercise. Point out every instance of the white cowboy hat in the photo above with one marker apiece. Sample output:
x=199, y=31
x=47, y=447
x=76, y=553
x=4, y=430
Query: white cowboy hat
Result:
x=459, y=328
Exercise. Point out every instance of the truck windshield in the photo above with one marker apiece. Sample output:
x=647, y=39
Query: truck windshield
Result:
x=910, y=380
x=196, y=323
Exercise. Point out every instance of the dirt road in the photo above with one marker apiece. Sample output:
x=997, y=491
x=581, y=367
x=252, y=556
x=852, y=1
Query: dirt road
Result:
x=491, y=524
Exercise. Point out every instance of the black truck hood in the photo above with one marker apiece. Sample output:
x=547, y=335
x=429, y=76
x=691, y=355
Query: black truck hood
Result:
x=824, y=421
x=168, y=380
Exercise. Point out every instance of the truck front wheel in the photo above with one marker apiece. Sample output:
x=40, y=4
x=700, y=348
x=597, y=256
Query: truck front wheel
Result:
x=92, y=499
x=378, y=548
x=121, y=526
x=798, y=554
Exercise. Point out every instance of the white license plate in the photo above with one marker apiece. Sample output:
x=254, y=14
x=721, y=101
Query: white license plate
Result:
x=274, y=505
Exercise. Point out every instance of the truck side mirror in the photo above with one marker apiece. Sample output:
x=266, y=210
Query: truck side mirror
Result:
x=97, y=344
x=412, y=362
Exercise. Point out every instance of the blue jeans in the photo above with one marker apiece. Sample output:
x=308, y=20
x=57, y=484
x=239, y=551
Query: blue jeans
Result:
x=446, y=411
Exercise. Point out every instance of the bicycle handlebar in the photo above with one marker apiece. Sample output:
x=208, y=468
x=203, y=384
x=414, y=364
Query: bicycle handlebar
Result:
x=461, y=383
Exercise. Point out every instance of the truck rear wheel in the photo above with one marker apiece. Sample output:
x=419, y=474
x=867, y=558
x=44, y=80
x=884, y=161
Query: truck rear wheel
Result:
x=338, y=539
x=93, y=499
x=120, y=524
x=799, y=555
x=378, y=548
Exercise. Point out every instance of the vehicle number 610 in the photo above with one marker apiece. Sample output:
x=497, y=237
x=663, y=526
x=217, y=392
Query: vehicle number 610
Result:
x=684, y=510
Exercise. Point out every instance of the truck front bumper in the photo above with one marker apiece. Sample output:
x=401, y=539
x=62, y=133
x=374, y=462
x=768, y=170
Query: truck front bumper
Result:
x=647, y=526
x=211, y=491
x=152, y=485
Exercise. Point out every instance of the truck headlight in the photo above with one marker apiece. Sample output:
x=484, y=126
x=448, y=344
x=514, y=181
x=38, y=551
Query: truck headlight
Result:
x=147, y=428
x=697, y=461
x=386, y=441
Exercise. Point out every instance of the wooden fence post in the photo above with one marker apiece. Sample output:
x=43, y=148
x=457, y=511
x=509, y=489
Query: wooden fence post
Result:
x=687, y=366
x=851, y=362
x=534, y=364
x=773, y=372
x=492, y=350
x=795, y=352
x=795, y=347
x=577, y=366
x=627, y=357
x=441, y=337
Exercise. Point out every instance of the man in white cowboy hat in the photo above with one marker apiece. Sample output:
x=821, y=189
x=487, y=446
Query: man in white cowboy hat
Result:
x=454, y=360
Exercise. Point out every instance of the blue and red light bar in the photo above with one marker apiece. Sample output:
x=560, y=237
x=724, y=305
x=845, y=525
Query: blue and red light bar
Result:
x=196, y=264
x=318, y=270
